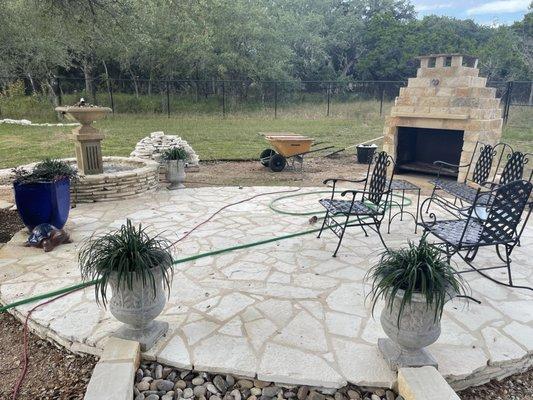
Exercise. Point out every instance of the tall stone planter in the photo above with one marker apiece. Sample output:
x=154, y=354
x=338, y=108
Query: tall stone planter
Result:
x=137, y=308
x=176, y=174
x=416, y=329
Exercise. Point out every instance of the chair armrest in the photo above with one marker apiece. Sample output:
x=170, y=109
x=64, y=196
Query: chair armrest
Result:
x=447, y=164
x=335, y=180
x=355, y=192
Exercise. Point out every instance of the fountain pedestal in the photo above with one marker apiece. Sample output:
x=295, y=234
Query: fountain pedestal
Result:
x=87, y=138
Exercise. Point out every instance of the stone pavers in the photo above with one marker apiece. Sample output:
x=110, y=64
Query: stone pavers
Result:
x=284, y=311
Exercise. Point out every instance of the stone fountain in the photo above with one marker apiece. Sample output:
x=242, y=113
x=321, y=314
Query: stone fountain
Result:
x=86, y=137
x=104, y=178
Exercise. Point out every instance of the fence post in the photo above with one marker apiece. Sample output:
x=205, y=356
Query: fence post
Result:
x=168, y=99
x=328, y=91
x=110, y=92
x=507, y=104
x=59, y=93
x=275, y=99
x=381, y=100
x=223, y=99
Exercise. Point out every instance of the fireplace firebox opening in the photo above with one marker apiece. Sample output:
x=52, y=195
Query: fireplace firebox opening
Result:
x=418, y=148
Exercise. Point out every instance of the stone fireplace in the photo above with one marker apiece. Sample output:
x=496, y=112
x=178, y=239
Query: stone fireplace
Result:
x=441, y=114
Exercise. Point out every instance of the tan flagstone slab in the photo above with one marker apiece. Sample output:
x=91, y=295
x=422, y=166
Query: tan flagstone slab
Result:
x=285, y=311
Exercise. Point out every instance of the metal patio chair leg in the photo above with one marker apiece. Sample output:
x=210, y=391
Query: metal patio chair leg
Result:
x=341, y=236
x=508, y=262
x=378, y=230
x=431, y=198
x=323, y=224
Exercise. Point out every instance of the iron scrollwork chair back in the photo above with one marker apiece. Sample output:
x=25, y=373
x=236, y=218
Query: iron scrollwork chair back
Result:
x=483, y=165
x=508, y=204
x=378, y=180
x=515, y=167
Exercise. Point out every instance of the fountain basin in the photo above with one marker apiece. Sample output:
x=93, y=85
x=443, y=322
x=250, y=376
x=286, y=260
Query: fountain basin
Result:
x=123, y=177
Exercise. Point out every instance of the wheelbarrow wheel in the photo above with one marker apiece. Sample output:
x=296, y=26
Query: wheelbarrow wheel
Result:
x=277, y=163
x=265, y=156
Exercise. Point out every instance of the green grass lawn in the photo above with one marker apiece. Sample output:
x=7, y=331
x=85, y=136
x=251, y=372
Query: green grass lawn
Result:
x=233, y=137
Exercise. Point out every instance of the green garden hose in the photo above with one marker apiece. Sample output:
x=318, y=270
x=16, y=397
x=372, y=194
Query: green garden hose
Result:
x=201, y=255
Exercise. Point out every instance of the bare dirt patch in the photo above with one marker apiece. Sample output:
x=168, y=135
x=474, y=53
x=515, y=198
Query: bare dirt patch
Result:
x=53, y=373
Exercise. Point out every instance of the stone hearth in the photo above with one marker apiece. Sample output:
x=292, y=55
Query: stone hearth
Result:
x=446, y=95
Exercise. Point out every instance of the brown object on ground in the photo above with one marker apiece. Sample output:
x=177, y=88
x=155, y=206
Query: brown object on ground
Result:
x=10, y=224
x=53, y=373
x=516, y=387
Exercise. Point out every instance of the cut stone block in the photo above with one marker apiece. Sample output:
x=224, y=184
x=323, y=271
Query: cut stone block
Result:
x=111, y=380
x=424, y=383
x=121, y=350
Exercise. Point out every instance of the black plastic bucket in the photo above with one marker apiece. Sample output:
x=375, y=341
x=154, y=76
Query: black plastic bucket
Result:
x=365, y=152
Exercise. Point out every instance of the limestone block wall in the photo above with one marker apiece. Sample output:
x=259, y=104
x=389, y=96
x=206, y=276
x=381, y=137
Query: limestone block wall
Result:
x=447, y=93
x=141, y=178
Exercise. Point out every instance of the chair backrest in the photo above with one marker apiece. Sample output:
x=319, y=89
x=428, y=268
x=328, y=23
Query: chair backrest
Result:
x=379, y=183
x=514, y=167
x=507, y=205
x=483, y=164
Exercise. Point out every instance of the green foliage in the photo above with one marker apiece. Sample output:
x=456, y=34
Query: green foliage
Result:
x=174, y=153
x=421, y=269
x=16, y=105
x=47, y=170
x=242, y=40
x=128, y=254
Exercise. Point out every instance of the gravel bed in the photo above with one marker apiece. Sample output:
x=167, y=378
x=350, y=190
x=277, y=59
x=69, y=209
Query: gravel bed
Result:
x=154, y=381
x=10, y=224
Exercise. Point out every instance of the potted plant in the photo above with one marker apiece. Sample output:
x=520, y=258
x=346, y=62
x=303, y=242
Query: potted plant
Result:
x=175, y=159
x=415, y=283
x=42, y=195
x=138, y=268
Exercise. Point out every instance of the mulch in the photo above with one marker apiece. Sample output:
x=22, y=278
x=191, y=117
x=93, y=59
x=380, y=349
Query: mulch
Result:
x=10, y=224
x=516, y=387
x=53, y=373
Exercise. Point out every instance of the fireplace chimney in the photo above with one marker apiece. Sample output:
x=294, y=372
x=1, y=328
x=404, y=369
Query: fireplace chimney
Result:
x=441, y=114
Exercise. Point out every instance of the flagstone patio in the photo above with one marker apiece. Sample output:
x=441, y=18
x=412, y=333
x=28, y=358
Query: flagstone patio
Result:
x=284, y=311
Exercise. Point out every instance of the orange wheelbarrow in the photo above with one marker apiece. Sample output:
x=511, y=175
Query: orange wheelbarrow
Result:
x=287, y=146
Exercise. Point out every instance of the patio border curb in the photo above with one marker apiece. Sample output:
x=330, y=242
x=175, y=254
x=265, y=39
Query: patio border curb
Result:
x=114, y=374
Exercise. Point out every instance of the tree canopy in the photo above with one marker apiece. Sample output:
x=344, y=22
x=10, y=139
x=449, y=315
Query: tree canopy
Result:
x=249, y=40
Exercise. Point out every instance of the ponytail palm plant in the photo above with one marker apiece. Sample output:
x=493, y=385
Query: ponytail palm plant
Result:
x=127, y=255
x=416, y=269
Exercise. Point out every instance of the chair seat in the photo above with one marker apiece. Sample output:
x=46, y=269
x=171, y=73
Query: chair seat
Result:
x=343, y=207
x=460, y=190
x=452, y=230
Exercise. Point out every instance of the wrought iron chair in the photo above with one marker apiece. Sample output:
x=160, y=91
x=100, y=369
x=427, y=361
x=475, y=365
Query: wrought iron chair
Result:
x=465, y=191
x=513, y=170
x=366, y=207
x=494, y=223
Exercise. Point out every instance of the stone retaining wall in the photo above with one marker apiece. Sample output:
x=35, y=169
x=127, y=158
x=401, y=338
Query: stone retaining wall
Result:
x=117, y=185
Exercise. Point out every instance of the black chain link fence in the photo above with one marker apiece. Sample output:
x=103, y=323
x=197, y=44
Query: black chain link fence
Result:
x=309, y=99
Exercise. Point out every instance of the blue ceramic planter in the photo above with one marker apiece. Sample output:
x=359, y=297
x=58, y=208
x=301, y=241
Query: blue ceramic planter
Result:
x=43, y=202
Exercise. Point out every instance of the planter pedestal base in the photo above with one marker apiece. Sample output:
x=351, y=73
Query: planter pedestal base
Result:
x=397, y=358
x=146, y=337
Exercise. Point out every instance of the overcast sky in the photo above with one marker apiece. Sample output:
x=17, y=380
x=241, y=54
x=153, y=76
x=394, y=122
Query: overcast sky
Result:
x=485, y=12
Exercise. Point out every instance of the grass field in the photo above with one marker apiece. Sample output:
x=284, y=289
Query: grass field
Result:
x=233, y=137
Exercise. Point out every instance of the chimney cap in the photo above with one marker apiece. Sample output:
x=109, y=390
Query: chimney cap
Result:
x=466, y=56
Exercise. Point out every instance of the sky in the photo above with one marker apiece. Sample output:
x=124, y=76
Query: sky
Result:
x=491, y=12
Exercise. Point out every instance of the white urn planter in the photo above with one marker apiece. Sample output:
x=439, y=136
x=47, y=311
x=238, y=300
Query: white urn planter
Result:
x=176, y=174
x=137, y=309
x=417, y=328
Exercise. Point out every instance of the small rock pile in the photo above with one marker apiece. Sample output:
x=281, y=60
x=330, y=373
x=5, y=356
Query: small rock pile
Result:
x=154, y=381
x=151, y=147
